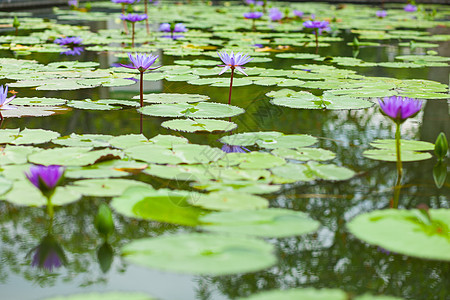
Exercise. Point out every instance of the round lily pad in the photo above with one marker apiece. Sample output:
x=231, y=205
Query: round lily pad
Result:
x=202, y=254
x=249, y=138
x=304, y=154
x=406, y=231
x=271, y=222
x=391, y=155
x=199, y=125
x=105, y=187
x=195, y=110
x=312, y=171
x=5, y=185
x=287, y=141
x=39, y=101
x=404, y=145
x=26, y=136
x=173, y=98
x=232, y=201
x=73, y=156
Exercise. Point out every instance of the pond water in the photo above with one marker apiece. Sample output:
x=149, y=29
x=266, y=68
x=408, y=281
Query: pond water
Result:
x=317, y=249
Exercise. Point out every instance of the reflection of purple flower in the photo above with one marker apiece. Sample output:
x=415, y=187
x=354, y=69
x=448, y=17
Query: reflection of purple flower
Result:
x=253, y=15
x=399, y=108
x=45, y=178
x=233, y=61
x=133, y=17
x=410, y=8
x=298, y=13
x=125, y=1
x=234, y=149
x=69, y=41
x=4, y=100
x=166, y=27
x=381, y=13
x=73, y=51
x=275, y=14
x=48, y=254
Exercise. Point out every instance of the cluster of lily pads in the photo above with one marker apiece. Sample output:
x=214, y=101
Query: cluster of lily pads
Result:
x=224, y=188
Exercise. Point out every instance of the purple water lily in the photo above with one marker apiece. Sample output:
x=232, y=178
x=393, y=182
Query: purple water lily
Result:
x=48, y=255
x=399, y=108
x=133, y=18
x=125, y=1
x=381, y=14
x=141, y=63
x=253, y=15
x=410, y=8
x=318, y=27
x=275, y=14
x=233, y=61
x=73, y=3
x=234, y=149
x=178, y=27
x=4, y=100
x=45, y=178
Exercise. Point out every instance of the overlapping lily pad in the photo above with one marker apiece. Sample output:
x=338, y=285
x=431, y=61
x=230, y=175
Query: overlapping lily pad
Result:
x=408, y=150
x=406, y=231
x=195, y=110
x=199, y=125
x=173, y=98
x=202, y=254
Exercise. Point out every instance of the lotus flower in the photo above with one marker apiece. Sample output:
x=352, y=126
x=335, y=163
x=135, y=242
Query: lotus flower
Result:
x=298, y=13
x=4, y=100
x=133, y=17
x=399, y=108
x=166, y=27
x=234, y=149
x=410, y=8
x=253, y=15
x=45, y=178
x=275, y=14
x=316, y=24
x=381, y=14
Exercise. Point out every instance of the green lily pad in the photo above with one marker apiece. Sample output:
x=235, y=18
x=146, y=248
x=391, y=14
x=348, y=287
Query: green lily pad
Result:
x=199, y=125
x=306, y=100
x=271, y=222
x=243, y=186
x=163, y=205
x=83, y=140
x=229, y=201
x=404, y=145
x=14, y=155
x=249, y=138
x=73, y=156
x=304, y=294
x=304, y=154
x=391, y=155
x=312, y=171
x=91, y=105
x=39, y=101
x=105, y=296
x=5, y=185
x=195, y=110
x=105, y=187
x=173, y=98
x=26, y=136
x=287, y=141
x=202, y=254
x=406, y=232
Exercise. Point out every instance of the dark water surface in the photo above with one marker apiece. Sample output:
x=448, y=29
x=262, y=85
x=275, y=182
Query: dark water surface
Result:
x=329, y=258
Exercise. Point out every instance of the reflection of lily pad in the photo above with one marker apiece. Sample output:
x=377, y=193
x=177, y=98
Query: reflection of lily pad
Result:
x=203, y=254
x=303, y=294
x=104, y=296
x=407, y=232
x=272, y=222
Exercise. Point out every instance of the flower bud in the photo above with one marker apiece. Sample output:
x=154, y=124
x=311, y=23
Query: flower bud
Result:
x=441, y=146
x=104, y=221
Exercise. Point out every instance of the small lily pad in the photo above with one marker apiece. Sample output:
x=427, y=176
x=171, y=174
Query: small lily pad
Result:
x=391, y=155
x=199, y=125
x=173, y=98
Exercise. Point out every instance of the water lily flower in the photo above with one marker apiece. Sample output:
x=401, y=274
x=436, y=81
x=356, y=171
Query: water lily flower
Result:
x=133, y=18
x=233, y=61
x=318, y=27
x=410, y=8
x=178, y=27
x=48, y=254
x=45, y=178
x=381, y=14
x=399, y=108
x=141, y=63
x=4, y=100
x=275, y=14
x=125, y=1
x=234, y=149
x=298, y=13
x=253, y=15
x=73, y=3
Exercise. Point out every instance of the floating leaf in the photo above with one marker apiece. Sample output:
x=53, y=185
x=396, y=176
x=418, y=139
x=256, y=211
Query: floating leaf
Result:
x=5, y=185
x=173, y=98
x=404, y=145
x=26, y=136
x=405, y=232
x=196, y=110
x=304, y=294
x=311, y=171
x=73, y=156
x=199, y=125
x=391, y=155
x=202, y=254
x=229, y=201
x=83, y=140
x=251, y=187
x=105, y=296
x=39, y=101
x=304, y=154
x=108, y=187
x=271, y=222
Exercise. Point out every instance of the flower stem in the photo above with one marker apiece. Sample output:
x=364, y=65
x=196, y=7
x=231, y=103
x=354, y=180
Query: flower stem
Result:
x=231, y=86
x=253, y=25
x=50, y=210
x=141, y=125
x=398, y=151
x=1, y=117
x=125, y=27
x=132, y=34
x=316, y=33
x=141, y=87
x=146, y=20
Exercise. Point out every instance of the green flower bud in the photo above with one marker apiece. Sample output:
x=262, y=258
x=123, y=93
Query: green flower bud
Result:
x=104, y=221
x=16, y=22
x=441, y=146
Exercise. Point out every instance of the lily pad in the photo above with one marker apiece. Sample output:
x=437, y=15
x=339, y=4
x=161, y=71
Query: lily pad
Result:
x=229, y=201
x=105, y=296
x=199, y=125
x=409, y=145
x=406, y=232
x=304, y=294
x=173, y=98
x=106, y=187
x=195, y=110
x=73, y=156
x=202, y=254
x=271, y=222
x=391, y=155
x=26, y=136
